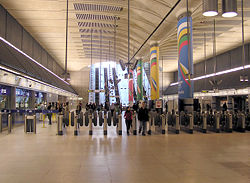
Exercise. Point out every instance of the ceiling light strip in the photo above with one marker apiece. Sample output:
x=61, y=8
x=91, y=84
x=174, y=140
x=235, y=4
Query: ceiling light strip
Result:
x=215, y=74
x=32, y=59
x=33, y=79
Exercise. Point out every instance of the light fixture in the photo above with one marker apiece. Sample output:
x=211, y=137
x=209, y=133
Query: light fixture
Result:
x=229, y=8
x=242, y=78
x=210, y=8
x=246, y=78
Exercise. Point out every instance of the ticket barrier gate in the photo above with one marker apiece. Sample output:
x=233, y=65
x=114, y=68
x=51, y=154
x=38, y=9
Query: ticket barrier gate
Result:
x=30, y=123
x=227, y=122
x=60, y=125
x=187, y=122
x=239, y=123
x=119, y=124
x=105, y=124
x=134, y=124
x=213, y=122
x=9, y=120
x=164, y=124
x=173, y=122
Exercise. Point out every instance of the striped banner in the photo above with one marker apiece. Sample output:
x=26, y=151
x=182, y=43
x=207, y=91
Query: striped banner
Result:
x=139, y=81
x=185, y=87
x=131, y=86
x=154, y=72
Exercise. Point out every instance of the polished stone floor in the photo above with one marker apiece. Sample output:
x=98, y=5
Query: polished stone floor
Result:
x=47, y=158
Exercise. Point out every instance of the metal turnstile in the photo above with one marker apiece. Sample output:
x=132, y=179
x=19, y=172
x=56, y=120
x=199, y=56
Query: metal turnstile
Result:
x=60, y=125
x=76, y=129
x=90, y=124
x=30, y=123
x=119, y=126
x=105, y=124
x=134, y=124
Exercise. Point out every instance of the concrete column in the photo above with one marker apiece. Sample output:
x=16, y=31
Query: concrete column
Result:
x=214, y=104
x=131, y=86
x=139, y=80
x=32, y=100
x=185, y=63
x=154, y=71
x=13, y=98
x=229, y=103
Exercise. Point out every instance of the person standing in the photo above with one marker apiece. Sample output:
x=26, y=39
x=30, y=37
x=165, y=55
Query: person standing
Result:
x=128, y=119
x=143, y=118
x=49, y=113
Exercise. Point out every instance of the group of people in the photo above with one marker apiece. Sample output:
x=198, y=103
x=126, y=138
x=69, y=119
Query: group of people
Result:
x=62, y=108
x=143, y=117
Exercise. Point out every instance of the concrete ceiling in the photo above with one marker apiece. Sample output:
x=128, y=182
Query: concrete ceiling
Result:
x=45, y=20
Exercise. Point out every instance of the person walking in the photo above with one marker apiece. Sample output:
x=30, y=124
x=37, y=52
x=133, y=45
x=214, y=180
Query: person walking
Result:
x=128, y=119
x=143, y=118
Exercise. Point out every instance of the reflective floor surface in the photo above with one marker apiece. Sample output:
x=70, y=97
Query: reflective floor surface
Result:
x=47, y=158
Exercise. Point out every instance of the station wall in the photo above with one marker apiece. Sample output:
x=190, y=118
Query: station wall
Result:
x=14, y=33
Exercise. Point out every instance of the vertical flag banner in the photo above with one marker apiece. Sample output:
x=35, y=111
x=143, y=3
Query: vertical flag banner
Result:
x=131, y=86
x=139, y=81
x=154, y=72
x=185, y=86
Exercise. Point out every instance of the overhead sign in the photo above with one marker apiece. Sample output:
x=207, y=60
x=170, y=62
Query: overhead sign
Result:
x=96, y=91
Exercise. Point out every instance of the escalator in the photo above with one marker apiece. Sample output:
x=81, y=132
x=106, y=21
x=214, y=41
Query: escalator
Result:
x=97, y=85
x=106, y=84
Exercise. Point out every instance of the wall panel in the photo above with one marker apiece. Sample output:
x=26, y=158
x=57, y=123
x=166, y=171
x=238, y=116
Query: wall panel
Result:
x=27, y=43
x=2, y=22
x=14, y=32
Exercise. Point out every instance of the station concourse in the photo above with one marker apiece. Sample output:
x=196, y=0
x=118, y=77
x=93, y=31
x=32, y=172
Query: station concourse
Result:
x=124, y=91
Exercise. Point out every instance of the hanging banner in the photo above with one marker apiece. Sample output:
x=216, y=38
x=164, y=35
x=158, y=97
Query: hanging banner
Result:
x=131, y=86
x=154, y=72
x=185, y=86
x=139, y=81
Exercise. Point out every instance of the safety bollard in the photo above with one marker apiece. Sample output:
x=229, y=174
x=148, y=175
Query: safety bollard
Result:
x=1, y=122
x=75, y=125
x=217, y=123
x=204, y=123
x=191, y=123
x=90, y=125
x=149, y=126
x=134, y=125
x=120, y=125
x=34, y=124
x=105, y=125
x=9, y=123
x=177, y=124
x=163, y=124
x=43, y=116
x=230, y=122
x=60, y=125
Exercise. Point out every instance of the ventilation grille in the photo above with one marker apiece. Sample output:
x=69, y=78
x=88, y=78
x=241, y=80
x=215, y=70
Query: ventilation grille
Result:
x=95, y=24
x=96, y=7
x=96, y=31
x=97, y=41
x=96, y=37
x=96, y=17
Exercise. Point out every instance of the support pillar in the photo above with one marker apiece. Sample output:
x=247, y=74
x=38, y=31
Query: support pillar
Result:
x=13, y=98
x=131, y=87
x=229, y=103
x=214, y=103
x=32, y=100
x=185, y=62
x=139, y=81
x=154, y=71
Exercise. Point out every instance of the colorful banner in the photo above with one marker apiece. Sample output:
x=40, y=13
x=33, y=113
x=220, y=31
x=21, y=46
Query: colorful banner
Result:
x=154, y=72
x=185, y=87
x=139, y=81
x=130, y=86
